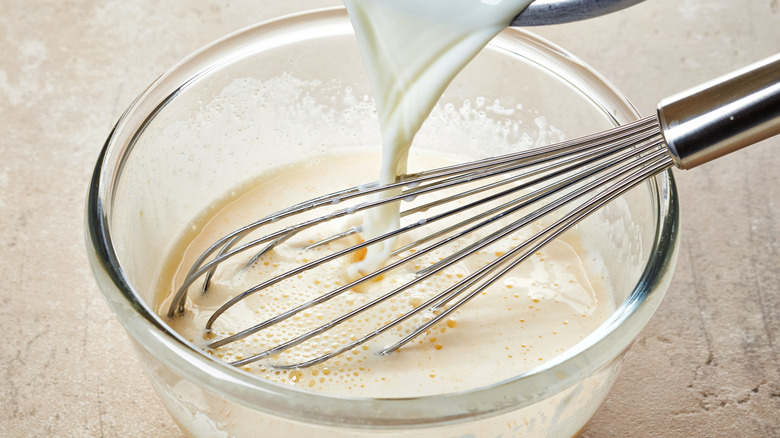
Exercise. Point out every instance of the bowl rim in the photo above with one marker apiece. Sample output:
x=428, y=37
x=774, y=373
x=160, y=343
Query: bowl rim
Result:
x=150, y=332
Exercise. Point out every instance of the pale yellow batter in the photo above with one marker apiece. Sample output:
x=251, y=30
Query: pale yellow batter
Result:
x=412, y=50
x=542, y=308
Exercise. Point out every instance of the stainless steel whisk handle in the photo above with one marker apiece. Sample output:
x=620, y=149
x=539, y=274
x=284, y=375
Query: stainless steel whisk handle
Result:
x=723, y=115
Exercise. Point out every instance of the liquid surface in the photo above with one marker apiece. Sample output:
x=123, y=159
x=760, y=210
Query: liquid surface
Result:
x=412, y=50
x=531, y=315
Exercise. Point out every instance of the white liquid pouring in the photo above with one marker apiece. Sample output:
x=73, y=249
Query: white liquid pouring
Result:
x=412, y=49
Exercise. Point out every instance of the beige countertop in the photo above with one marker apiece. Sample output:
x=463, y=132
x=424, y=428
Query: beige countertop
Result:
x=707, y=364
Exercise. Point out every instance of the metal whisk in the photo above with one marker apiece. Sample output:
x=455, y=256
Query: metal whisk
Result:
x=564, y=183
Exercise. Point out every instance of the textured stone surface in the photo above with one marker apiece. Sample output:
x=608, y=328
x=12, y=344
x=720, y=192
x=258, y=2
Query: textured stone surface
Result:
x=708, y=363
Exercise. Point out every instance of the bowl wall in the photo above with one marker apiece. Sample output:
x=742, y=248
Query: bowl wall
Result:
x=295, y=89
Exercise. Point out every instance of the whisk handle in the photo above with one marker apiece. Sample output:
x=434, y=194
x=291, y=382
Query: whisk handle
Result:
x=723, y=115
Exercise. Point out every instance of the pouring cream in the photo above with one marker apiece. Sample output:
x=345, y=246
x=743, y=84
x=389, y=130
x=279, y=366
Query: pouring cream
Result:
x=412, y=49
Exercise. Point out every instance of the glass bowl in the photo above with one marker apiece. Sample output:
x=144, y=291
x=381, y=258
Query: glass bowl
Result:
x=183, y=144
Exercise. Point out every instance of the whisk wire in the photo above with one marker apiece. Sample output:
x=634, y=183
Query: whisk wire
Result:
x=554, y=230
x=646, y=144
x=523, y=201
x=463, y=173
x=638, y=172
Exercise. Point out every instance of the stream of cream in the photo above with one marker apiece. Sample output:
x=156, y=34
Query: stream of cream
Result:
x=412, y=49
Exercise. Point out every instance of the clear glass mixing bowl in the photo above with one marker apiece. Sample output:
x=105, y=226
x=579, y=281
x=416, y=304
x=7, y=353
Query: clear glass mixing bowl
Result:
x=182, y=144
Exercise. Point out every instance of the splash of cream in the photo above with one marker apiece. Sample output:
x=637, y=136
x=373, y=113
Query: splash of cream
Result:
x=412, y=49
